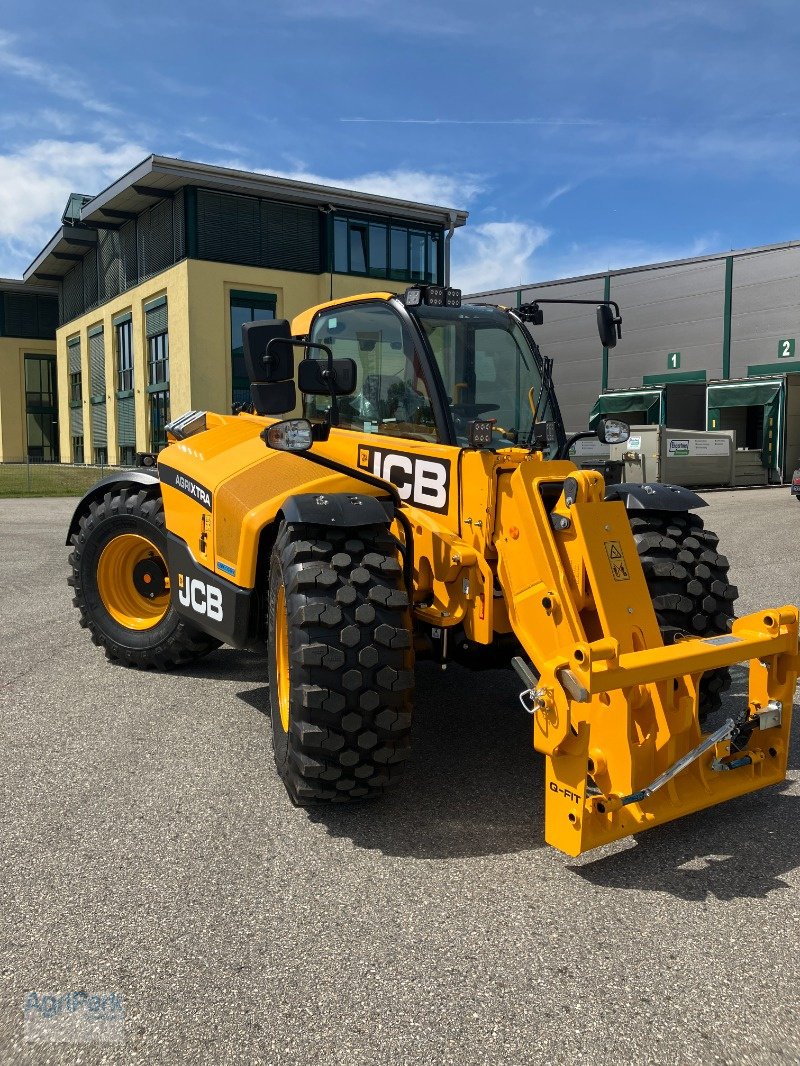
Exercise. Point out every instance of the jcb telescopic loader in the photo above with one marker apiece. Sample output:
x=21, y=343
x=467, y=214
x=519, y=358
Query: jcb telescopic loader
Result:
x=404, y=489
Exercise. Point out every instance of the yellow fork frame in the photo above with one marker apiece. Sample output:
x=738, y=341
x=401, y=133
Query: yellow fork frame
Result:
x=612, y=702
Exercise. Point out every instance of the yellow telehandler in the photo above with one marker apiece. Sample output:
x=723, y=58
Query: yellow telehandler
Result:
x=400, y=486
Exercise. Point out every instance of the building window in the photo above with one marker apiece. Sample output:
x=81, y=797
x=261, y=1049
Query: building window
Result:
x=75, y=399
x=378, y=249
x=156, y=323
x=158, y=359
x=101, y=456
x=245, y=307
x=126, y=401
x=159, y=416
x=124, y=338
x=41, y=408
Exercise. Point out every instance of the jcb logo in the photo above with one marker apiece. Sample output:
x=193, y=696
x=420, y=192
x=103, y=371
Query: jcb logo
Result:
x=423, y=482
x=202, y=598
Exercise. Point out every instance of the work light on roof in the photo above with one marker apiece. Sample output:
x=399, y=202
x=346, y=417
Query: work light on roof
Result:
x=432, y=296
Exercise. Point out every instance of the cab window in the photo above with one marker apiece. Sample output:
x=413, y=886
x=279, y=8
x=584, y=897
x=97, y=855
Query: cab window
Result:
x=391, y=396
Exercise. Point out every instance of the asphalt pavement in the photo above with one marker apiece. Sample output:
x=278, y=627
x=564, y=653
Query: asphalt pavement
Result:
x=148, y=851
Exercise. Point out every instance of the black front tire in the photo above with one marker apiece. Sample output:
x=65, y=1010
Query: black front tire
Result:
x=688, y=582
x=350, y=659
x=171, y=641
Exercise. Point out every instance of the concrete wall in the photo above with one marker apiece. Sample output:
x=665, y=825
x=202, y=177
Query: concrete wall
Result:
x=676, y=308
x=209, y=339
x=171, y=283
x=765, y=308
x=198, y=302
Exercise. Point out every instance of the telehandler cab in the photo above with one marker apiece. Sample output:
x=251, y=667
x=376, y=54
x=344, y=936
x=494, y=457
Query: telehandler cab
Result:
x=417, y=499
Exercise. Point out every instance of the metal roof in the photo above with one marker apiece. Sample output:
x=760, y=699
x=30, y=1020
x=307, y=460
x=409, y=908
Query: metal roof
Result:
x=18, y=285
x=158, y=177
x=708, y=257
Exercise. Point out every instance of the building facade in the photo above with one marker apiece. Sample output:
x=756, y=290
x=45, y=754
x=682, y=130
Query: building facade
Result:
x=712, y=318
x=28, y=378
x=156, y=275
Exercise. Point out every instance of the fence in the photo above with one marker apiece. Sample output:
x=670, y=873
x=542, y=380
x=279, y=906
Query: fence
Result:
x=29, y=477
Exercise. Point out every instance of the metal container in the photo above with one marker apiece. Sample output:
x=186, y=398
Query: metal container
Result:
x=677, y=456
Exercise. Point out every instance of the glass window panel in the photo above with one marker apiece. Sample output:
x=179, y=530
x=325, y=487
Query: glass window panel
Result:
x=340, y=260
x=358, y=249
x=125, y=356
x=391, y=395
x=417, y=249
x=158, y=359
x=251, y=308
x=399, y=259
x=377, y=249
x=159, y=416
x=432, y=275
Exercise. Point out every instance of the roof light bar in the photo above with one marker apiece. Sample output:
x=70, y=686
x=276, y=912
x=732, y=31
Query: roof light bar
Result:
x=432, y=296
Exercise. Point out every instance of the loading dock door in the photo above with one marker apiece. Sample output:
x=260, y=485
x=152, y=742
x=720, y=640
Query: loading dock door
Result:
x=636, y=408
x=760, y=408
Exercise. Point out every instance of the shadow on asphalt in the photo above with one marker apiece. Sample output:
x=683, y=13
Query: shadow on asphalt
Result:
x=741, y=850
x=474, y=786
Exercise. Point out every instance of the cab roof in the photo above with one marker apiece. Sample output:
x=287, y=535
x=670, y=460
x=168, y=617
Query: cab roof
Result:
x=301, y=324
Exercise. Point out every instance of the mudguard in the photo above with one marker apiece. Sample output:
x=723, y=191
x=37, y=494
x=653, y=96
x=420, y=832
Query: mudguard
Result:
x=345, y=510
x=654, y=497
x=98, y=491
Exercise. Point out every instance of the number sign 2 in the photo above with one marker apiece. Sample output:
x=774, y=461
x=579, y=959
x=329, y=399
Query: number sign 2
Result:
x=786, y=348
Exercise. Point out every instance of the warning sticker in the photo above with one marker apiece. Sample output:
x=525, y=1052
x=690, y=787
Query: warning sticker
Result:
x=616, y=560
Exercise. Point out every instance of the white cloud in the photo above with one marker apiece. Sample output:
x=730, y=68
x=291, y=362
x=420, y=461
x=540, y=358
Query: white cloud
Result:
x=556, y=193
x=35, y=182
x=495, y=254
x=62, y=83
x=417, y=185
x=583, y=259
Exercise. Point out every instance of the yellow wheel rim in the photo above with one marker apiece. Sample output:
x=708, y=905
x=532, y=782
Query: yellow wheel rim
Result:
x=281, y=638
x=133, y=581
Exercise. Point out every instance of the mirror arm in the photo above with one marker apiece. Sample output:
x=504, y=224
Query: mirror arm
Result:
x=563, y=451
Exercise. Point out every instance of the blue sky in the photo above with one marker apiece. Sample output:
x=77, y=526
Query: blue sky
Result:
x=580, y=136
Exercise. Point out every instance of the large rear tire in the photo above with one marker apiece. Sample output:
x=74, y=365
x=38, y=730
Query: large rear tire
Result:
x=121, y=584
x=341, y=662
x=689, y=586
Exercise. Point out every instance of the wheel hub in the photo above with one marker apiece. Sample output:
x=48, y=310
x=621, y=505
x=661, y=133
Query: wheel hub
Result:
x=133, y=581
x=149, y=578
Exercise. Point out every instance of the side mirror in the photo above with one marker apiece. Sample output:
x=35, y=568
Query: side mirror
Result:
x=273, y=398
x=291, y=435
x=322, y=379
x=612, y=431
x=609, y=326
x=266, y=358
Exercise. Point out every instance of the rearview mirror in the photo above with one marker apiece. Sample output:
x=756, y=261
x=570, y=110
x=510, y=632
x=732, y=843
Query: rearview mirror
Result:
x=314, y=376
x=612, y=431
x=265, y=357
x=608, y=326
x=291, y=435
